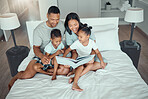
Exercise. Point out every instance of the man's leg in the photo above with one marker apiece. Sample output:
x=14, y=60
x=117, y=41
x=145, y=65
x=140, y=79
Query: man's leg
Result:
x=28, y=73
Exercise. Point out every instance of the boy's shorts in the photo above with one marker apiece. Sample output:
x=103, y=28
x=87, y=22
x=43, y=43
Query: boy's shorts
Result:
x=96, y=59
x=38, y=60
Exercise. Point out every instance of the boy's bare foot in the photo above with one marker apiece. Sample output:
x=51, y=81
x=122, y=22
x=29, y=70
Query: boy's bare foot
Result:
x=71, y=79
x=76, y=87
x=53, y=77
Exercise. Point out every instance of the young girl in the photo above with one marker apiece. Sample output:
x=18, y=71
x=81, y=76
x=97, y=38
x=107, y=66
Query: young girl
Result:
x=83, y=47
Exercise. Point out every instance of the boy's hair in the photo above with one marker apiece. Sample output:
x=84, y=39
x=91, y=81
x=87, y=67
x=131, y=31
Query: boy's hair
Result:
x=55, y=33
x=53, y=9
x=87, y=30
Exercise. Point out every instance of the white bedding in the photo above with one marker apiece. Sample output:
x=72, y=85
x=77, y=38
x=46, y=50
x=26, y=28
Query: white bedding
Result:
x=119, y=80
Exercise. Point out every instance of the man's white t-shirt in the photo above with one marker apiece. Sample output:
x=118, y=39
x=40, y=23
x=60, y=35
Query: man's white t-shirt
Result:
x=84, y=50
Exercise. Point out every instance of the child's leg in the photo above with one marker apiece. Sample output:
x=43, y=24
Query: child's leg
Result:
x=55, y=68
x=28, y=73
x=76, y=78
x=87, y=68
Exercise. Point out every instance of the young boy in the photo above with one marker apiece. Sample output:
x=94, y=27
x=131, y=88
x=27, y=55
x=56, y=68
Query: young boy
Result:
x=54, y=48
x=84, y=46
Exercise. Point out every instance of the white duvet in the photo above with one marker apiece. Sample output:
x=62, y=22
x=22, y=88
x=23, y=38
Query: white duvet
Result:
x=119, y=80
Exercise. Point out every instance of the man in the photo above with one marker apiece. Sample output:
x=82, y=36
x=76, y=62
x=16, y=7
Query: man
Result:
x=41, y=38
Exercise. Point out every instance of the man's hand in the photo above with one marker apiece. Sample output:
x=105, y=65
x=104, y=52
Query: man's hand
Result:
x=45, y=59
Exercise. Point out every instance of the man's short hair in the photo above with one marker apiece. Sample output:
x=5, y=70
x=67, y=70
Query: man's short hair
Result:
x=55, y=33
x=53, y=9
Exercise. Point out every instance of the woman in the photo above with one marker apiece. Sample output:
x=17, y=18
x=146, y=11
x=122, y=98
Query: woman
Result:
x=73, y=25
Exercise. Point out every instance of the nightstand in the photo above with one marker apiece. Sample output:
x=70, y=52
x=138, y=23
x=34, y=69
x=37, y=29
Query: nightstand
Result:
x=15, y=56
x=133, y=51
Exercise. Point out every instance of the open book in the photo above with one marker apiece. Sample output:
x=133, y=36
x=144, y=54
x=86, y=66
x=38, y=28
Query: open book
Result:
x=74, y=63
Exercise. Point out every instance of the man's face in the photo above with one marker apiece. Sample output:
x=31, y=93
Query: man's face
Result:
x=53, y=19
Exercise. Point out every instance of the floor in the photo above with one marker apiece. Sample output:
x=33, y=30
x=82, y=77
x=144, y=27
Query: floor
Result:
x=22, y=39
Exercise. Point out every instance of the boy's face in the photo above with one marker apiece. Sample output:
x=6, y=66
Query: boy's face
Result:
x=82, y=36
x=53, y=19
x=56, y=41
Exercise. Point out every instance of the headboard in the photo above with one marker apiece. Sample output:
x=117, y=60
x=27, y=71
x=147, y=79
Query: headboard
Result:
x=98, y=24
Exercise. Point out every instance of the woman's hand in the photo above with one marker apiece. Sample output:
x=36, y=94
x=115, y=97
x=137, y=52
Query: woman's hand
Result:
x=103, y=65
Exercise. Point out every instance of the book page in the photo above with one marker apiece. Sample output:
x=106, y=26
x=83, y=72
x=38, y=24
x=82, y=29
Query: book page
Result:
x=74, y=63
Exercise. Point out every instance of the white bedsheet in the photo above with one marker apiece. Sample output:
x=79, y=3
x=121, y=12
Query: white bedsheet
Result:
x=119, y=80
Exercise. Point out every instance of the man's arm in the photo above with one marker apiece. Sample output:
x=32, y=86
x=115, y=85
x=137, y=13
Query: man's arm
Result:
x=38, y=53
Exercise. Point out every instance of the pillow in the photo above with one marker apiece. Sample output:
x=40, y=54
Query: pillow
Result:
x=107, y=40
x=103, y=27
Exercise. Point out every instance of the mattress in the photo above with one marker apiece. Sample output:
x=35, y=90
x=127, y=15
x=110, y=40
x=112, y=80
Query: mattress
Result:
x=119, y=80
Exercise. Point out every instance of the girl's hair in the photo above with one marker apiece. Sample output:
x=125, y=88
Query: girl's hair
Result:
x=87, y=30
x=69, y=17
x=55, y=33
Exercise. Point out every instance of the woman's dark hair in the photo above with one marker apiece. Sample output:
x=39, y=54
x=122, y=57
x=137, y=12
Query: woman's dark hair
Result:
x=53, y=9
x=55, y=33
x=87, y=30
x=69, y=17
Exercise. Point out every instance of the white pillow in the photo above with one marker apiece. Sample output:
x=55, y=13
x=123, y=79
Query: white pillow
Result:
x=103, y=27
x=107, y=40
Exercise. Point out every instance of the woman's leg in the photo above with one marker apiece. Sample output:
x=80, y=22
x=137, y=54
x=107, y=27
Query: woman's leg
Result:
x=88, y=67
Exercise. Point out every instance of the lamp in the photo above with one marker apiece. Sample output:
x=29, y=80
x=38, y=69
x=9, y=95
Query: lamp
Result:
x=16, y=54
x=133, y=15
x=9, y=21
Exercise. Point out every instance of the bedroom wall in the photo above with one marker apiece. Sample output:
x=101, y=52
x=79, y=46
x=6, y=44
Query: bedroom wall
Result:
x=143, y=26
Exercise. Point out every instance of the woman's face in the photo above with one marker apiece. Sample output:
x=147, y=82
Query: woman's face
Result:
x=73, y=25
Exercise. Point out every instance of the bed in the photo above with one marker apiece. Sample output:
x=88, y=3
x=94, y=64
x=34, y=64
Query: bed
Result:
x=119, y=80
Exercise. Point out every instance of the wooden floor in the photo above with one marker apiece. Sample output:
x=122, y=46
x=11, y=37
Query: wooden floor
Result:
x=22, y=39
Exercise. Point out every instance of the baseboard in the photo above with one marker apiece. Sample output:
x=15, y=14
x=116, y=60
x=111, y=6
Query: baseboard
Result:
x=143, y=33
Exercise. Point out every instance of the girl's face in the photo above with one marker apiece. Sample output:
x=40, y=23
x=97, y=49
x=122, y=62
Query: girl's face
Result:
x=56, y=41
x=73, y=25
x=82, y=36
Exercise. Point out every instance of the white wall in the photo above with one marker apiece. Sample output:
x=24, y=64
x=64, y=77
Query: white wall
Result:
x=144, y=25
x=43, y=7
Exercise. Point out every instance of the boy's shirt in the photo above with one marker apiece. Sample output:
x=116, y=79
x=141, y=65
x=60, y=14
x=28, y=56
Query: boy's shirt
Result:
x=51, y=50
x=84, y=50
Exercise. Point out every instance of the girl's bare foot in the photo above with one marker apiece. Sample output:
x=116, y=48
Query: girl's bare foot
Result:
x=71, y=79
x=76, y=87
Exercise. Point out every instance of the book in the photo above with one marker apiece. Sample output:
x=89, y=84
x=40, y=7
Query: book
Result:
x=72, y=62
